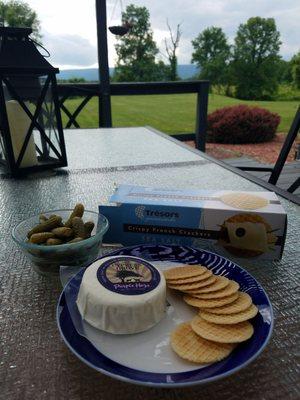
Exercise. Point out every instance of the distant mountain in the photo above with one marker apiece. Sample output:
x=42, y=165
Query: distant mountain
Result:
x=185, y=71
x=89, y=74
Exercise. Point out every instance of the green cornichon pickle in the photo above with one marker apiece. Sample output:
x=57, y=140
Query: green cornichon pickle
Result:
x=41, y=237
x=88, y=227
x=77, y=212
x=63, y=232
x=78, y=227
x=46, y=226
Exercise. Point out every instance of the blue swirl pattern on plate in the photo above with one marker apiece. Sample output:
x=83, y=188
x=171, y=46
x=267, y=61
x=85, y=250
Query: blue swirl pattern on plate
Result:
x=239, y=358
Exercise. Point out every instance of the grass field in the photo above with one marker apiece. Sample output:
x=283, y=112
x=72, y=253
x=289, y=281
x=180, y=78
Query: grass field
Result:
x=171, y=113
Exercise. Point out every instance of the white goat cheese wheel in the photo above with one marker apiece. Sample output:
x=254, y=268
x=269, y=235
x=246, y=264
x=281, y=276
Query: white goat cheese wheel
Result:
x=122, y=295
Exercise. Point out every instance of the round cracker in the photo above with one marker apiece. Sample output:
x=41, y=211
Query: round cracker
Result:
x=231, y=288
x=192, y=279
x=192, y=347
x=209, y=303
x=235, y=333
x=206, y=282
x=245, y=201
x=243, y=302
x=191, y=286
x=185, y=271
x=220, y=283
x=230, y=318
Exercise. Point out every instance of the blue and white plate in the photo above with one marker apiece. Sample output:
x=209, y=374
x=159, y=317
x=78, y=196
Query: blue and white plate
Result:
x=147, y=358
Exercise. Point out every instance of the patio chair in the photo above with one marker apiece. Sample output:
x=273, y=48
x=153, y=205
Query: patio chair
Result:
x=278, y=166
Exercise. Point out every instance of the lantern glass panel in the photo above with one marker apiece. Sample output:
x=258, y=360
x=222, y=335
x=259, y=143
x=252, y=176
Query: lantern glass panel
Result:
x=20, y=97
x=51, y=150
x=32, y=120
x=2, y=149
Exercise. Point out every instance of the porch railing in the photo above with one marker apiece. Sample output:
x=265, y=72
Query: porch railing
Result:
x=88, y=90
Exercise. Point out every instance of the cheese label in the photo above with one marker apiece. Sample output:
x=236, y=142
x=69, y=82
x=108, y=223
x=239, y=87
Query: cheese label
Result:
x=128, y=275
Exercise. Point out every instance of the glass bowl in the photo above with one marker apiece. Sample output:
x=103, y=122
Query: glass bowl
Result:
x=47, y=259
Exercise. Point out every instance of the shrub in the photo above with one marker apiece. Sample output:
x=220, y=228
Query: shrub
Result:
x=241, y=124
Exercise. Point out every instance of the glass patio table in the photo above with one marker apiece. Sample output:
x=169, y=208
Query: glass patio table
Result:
x=35, y=363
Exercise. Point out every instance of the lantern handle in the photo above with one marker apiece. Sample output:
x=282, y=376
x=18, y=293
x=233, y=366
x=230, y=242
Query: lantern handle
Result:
x=47, y=55
x=114, y=9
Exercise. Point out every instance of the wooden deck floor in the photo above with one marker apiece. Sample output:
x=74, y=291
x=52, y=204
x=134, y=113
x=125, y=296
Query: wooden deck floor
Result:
x=289, y=174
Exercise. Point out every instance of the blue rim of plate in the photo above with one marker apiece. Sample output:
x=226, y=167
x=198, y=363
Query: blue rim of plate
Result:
x=243, y=355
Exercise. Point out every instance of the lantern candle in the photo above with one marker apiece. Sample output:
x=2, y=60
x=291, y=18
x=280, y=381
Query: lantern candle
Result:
x=19, y=124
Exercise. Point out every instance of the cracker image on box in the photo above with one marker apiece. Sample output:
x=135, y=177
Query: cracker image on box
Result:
x=247, y=235
x=244, y=201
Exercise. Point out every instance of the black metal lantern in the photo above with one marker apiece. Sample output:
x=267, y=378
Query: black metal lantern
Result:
x=30, y=121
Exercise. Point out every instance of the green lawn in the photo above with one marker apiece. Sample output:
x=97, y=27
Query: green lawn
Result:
x=171, y=113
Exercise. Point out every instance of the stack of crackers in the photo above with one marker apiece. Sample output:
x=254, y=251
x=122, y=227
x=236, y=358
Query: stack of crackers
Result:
x=222, y=319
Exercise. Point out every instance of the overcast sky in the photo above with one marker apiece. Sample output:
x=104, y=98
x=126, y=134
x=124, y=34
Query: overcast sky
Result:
x=69, y=26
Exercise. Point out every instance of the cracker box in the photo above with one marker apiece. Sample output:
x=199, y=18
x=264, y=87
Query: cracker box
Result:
x=243, y=224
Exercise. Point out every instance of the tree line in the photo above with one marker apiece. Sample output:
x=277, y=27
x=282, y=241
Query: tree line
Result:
x=251, y=68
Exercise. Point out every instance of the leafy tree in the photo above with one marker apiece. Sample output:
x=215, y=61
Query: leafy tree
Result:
x=295, y=67
x=136, y=50
x=171, y=49
x=284, y=72
x=16, y=13
x=212, y=54
x=256, y=57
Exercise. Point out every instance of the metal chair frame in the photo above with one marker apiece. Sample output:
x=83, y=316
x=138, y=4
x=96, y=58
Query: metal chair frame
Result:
x=278, y=166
